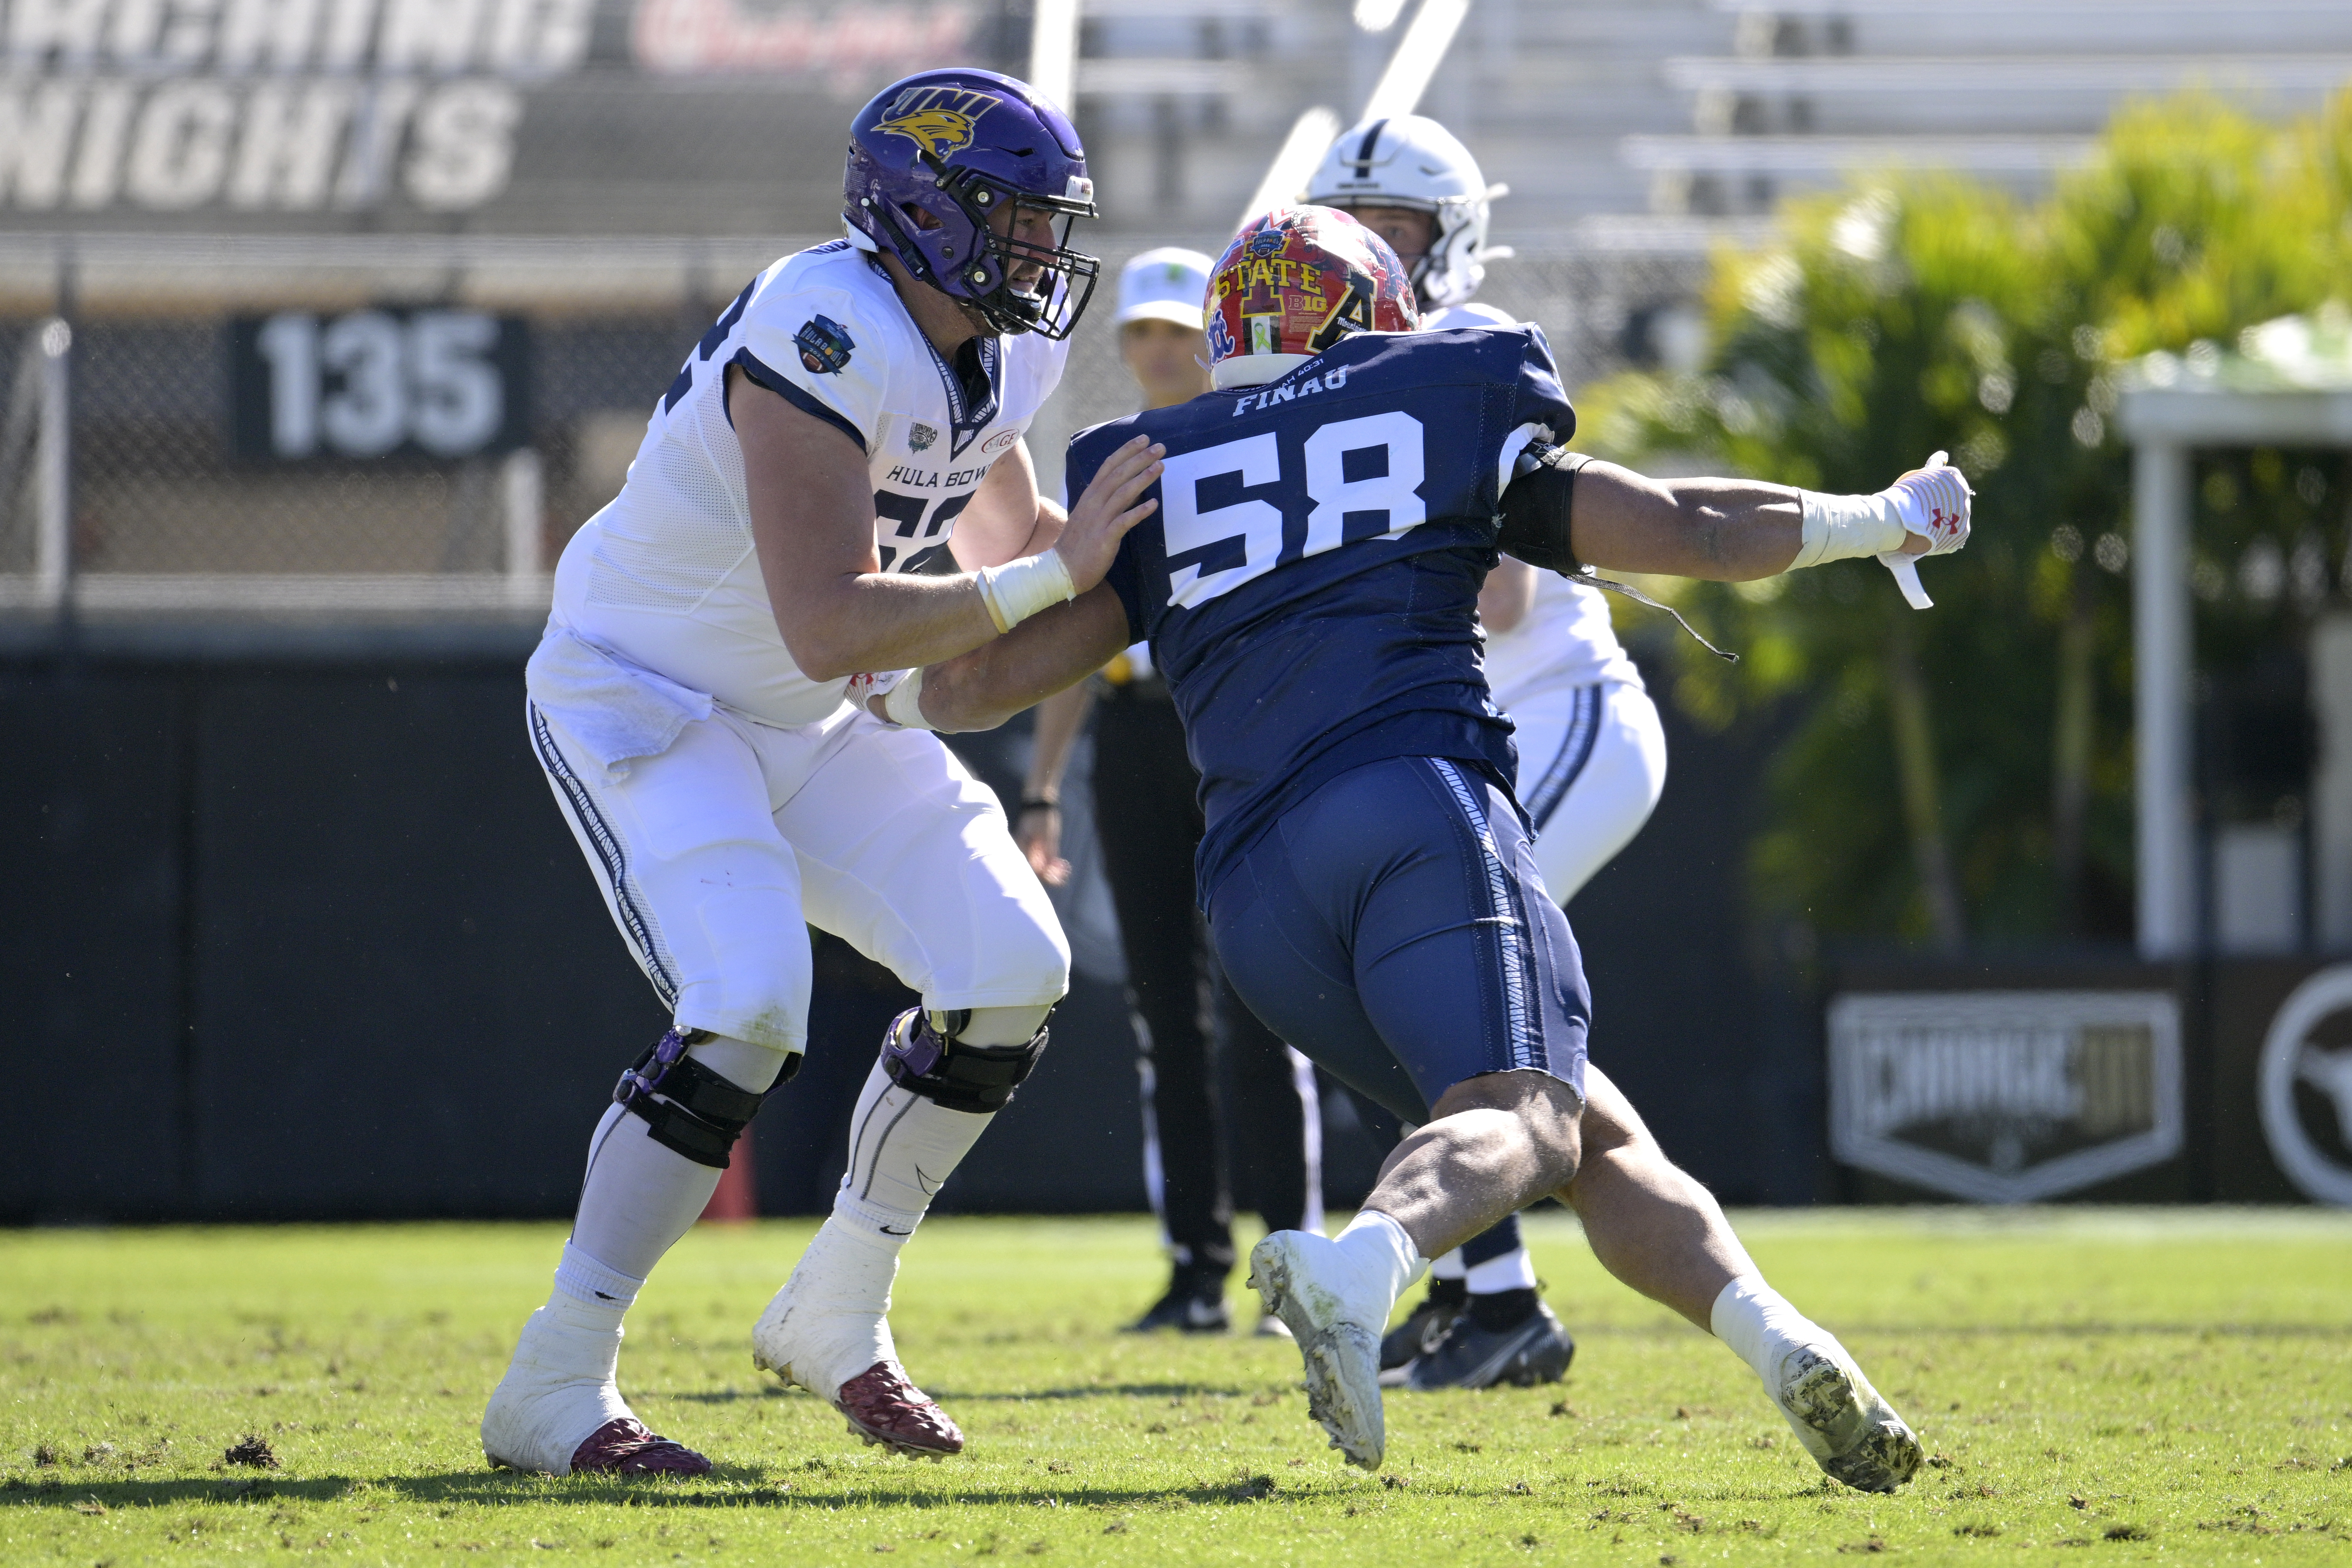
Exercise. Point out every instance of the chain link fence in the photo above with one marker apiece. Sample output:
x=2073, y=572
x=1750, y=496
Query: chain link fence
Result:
x=400, y=428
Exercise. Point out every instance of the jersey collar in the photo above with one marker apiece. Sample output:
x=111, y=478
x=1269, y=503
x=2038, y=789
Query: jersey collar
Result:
x=1253, y=370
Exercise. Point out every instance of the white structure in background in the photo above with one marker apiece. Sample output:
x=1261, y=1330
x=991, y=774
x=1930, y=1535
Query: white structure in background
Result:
x=2289, y=382
x=2008, y=91
x=1420, y=50
x=1054, y=52
x=53, y=465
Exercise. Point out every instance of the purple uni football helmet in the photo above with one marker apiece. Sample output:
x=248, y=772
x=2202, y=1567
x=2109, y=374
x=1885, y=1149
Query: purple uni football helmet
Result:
x=961, y=145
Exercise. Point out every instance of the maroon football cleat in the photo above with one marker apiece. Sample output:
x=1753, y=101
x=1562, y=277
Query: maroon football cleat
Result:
x=624, y=1448
x=884, y=1407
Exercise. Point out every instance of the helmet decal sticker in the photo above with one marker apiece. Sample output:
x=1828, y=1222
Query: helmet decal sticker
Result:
x=939, y=120
x=1298, y=279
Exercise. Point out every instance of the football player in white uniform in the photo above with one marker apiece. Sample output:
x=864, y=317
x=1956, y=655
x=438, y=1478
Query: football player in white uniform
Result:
x=834, y=485
x=1592, y=755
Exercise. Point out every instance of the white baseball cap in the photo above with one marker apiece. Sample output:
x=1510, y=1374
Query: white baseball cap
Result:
x=1169, y=284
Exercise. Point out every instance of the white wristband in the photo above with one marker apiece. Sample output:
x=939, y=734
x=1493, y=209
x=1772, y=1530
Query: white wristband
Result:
x=904, y=702
x=1845, y=528
x=1019, y=589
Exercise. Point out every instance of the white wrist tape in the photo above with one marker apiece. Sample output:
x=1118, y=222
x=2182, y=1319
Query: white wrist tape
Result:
x=1846, y=528
x=1019, y=589
x=904, y=702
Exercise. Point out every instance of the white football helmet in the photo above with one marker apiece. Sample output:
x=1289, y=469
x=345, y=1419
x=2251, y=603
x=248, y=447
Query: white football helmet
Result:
x=1411, y=161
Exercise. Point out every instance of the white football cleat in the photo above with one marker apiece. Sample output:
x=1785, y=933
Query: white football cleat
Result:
x=1314, y=1288
x=557, y=1411
x=1851, y=1432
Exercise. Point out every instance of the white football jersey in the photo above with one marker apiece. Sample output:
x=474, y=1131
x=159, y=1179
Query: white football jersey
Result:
x=666, y=574
x=1565, y=638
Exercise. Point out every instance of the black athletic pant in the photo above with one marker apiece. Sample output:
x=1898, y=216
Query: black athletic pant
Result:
x=1148, y=818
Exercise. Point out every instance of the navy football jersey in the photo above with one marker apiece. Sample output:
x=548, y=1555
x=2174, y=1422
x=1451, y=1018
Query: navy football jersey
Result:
x=1309, y=584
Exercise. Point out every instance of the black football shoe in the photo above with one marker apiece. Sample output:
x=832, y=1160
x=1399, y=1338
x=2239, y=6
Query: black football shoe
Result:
x=1426, y=1324
x=1474, y=1355
x=1194, y=1304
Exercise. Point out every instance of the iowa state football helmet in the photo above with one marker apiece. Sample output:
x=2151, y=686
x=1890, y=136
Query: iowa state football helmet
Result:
x=1298, y=279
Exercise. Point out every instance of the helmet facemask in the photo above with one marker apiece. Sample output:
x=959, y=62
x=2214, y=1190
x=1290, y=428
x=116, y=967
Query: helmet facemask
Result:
x=1455, y=264
x=983, y=279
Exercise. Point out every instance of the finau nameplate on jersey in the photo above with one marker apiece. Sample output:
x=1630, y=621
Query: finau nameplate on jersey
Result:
x=2004, y=1097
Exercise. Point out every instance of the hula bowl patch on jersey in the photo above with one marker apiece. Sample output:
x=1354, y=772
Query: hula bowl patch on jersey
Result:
x=920, y=436
x=824, y=345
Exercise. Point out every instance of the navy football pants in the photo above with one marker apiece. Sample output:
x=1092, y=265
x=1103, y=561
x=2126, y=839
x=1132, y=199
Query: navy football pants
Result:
x=1393, y=927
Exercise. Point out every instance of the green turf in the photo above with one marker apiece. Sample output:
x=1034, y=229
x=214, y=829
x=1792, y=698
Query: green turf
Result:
x=2095, y=1386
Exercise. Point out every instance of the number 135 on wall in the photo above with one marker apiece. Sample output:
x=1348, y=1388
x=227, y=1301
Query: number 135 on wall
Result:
x=435, y=386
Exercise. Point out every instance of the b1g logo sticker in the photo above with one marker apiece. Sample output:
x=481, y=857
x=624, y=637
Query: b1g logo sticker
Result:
x=2305, y=1088
x=2005, y=1097
x=824, y=345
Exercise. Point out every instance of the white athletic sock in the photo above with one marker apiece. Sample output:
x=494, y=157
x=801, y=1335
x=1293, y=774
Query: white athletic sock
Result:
x=1385, y=1256
x=1762, y=1328
x=1450, y=1266
x=902, y=1147
x=1514, y=1270
x=590, y=1295
x=639, y=1195
x=828, y=1324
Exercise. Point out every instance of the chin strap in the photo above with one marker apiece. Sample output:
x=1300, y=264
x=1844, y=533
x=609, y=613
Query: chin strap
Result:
x=1588, y=578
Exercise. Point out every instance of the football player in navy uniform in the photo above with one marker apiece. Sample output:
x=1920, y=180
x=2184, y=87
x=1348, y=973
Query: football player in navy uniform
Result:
x=835, y=486
x=1592, y=754
x=1309, y=581
x=1147, y=820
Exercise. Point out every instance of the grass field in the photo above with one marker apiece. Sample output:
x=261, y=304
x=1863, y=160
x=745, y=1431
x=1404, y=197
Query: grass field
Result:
x=2106, y=1385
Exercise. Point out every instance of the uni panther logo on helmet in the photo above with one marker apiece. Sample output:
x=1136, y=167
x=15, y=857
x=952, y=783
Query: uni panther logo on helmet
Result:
x=939, y=120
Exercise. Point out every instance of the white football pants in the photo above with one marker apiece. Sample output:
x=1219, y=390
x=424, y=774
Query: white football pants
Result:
x=714, y=857
x=1592, y=762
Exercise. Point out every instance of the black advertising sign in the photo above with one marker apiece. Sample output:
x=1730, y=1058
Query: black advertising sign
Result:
x=2227, y=1080
x=429, y=385
x=380, y=116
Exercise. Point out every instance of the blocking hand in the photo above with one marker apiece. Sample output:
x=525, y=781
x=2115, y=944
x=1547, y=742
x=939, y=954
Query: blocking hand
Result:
x=1101, y=517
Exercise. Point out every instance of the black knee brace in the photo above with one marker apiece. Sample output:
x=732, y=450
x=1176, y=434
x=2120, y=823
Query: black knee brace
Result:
x=688, y=1108
x=924, y=1056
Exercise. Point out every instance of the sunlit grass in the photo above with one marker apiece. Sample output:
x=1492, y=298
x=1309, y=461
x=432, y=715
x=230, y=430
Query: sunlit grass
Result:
x=2123, y=1382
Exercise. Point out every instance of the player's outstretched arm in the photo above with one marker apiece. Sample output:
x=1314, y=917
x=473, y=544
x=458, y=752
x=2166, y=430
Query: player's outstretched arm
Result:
x=1585, y=513
x=1728, y=530
x=813, y=526
x=1040, y=657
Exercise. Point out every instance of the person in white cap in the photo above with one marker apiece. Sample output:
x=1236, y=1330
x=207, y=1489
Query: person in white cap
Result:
x=1592, y=755
x=1148, y=820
